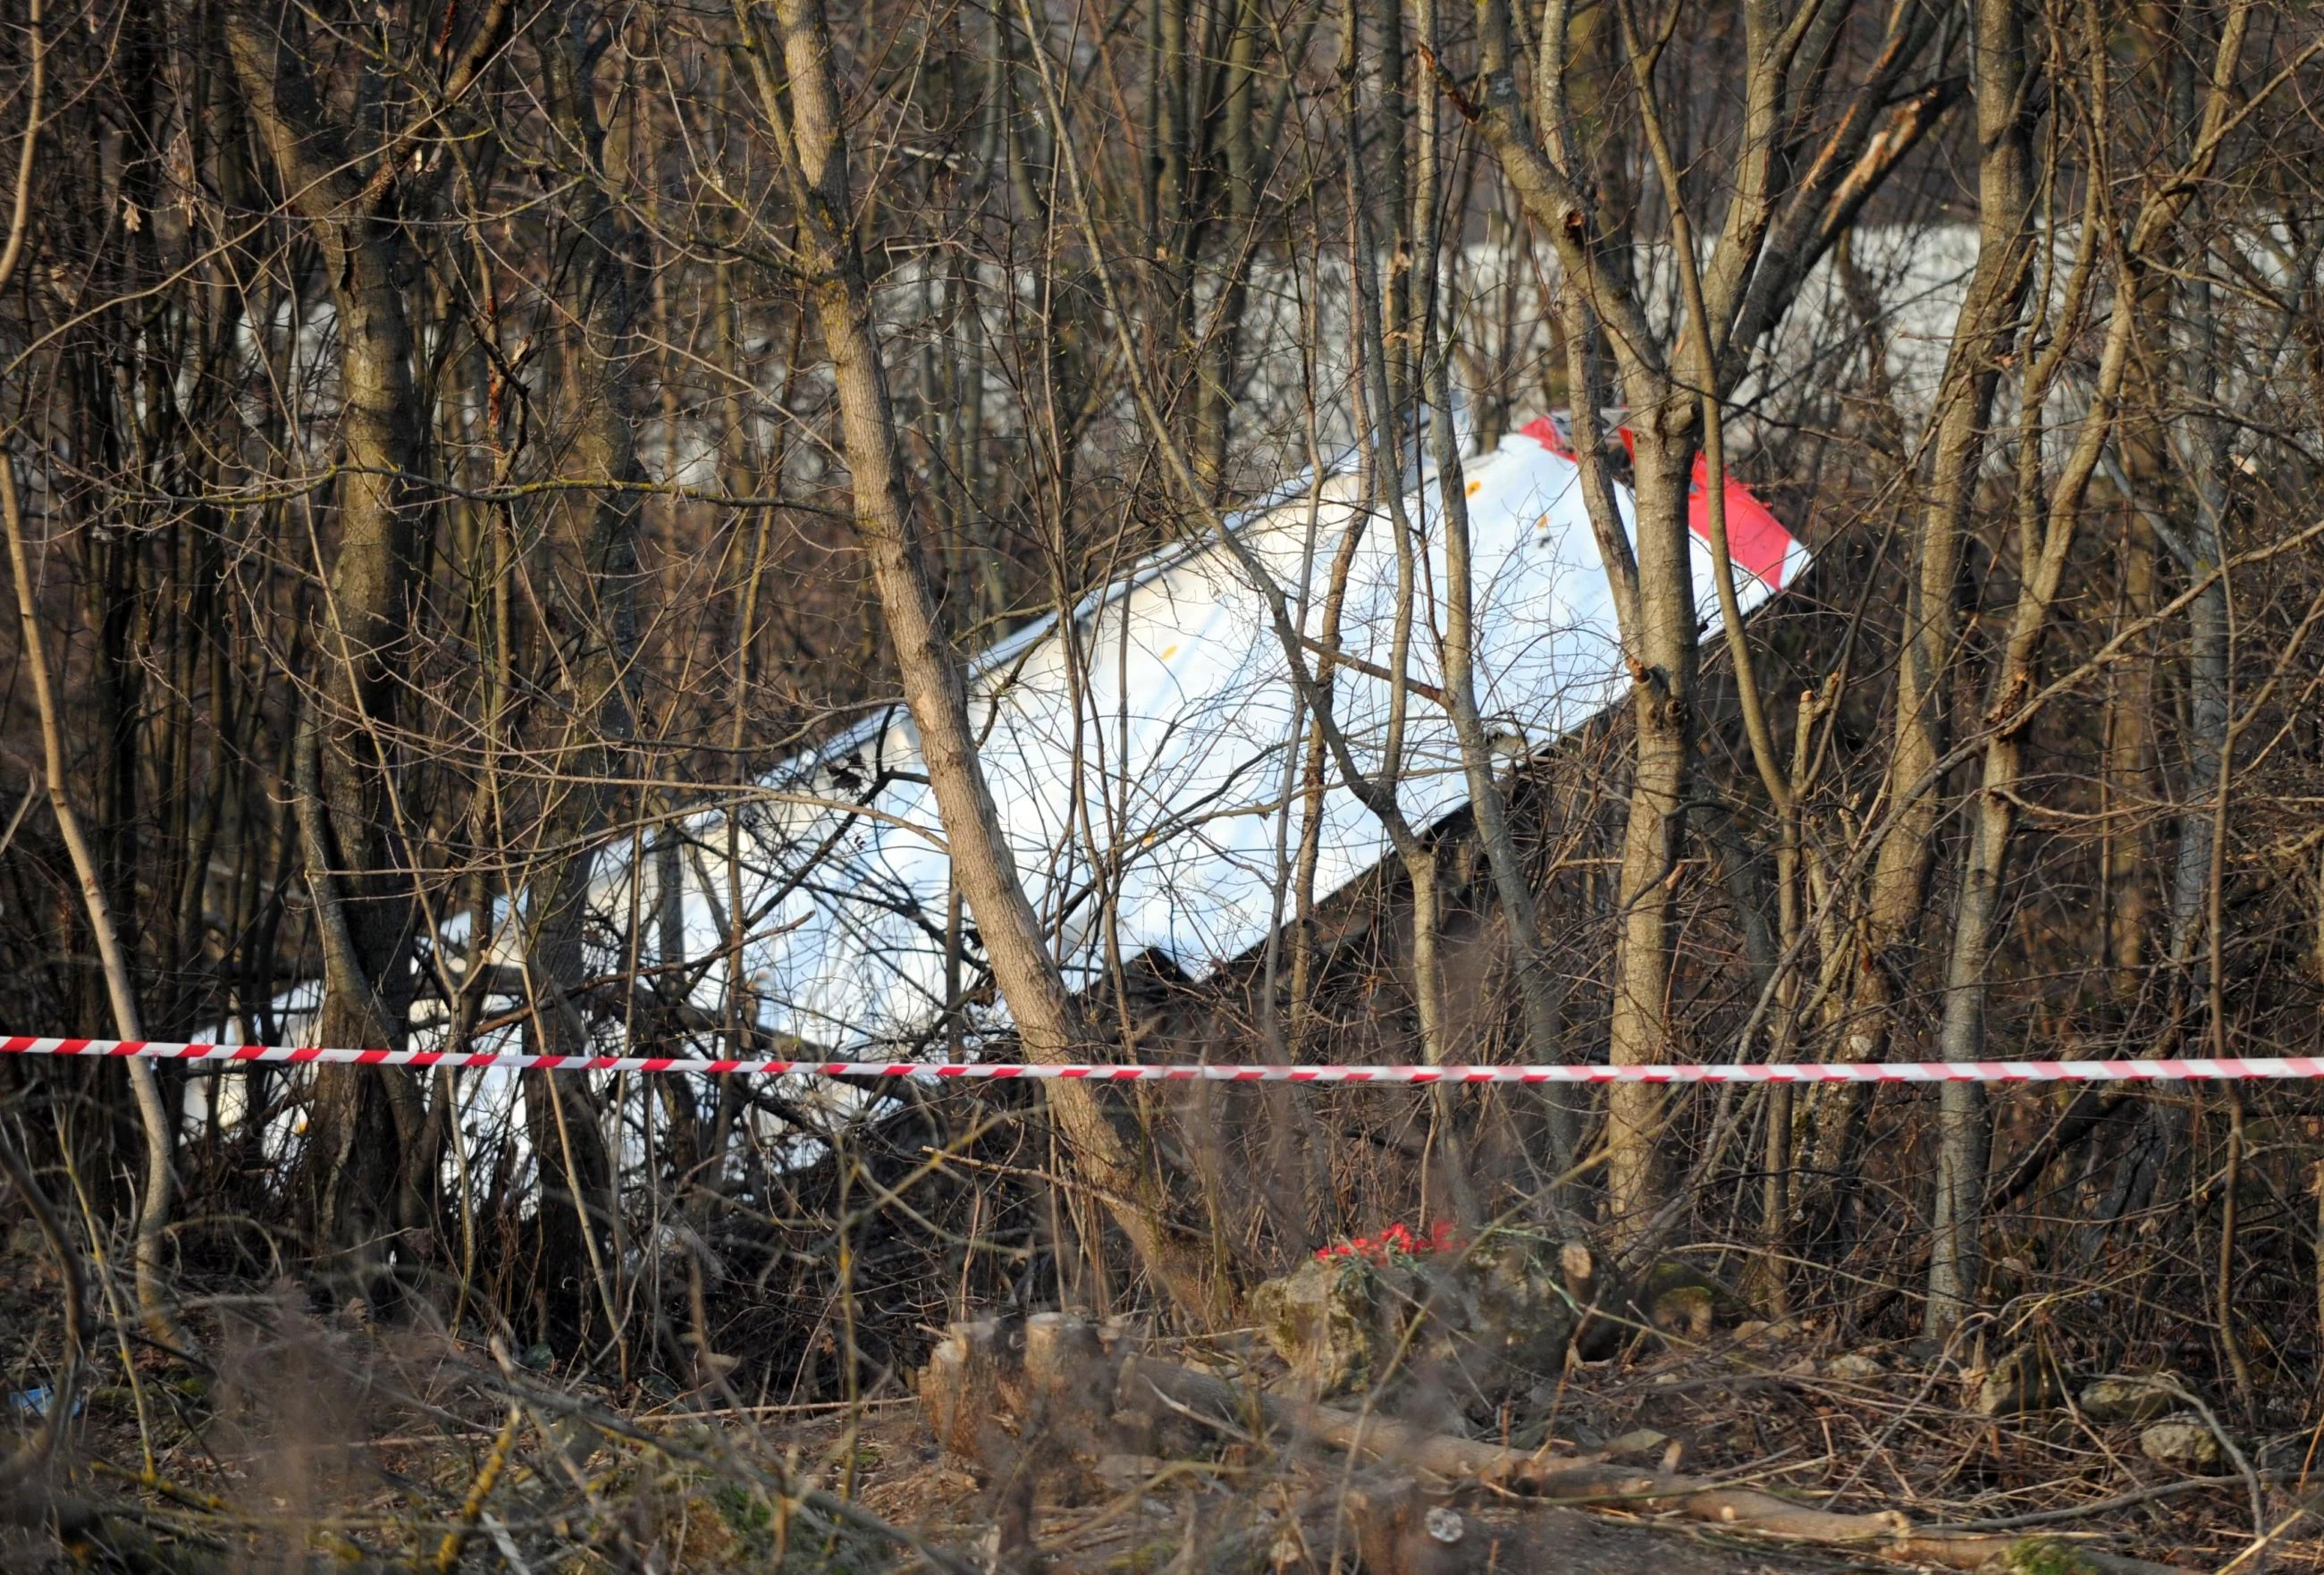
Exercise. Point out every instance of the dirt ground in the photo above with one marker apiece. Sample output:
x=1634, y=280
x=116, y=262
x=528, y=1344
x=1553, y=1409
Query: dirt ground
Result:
x=1187, y=1519
x=308, y=1439
x=288, y=1494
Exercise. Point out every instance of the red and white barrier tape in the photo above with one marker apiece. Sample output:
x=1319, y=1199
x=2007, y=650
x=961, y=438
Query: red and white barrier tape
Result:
x=2293, y=1066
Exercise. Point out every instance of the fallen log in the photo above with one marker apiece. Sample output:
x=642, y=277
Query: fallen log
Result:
x=1367, y=1436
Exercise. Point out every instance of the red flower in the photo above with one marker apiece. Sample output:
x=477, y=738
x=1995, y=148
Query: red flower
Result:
x=1396, y=1240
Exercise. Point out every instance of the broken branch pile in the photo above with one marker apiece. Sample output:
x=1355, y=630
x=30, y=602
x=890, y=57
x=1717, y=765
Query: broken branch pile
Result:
x=1053, y=1398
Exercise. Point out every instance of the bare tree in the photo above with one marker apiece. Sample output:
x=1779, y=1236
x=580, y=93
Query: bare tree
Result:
x=1813, y=147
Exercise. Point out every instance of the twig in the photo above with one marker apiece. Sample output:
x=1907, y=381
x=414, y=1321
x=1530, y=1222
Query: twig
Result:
x=448, y=1553
x=827, y=1505
x=2095, y=1507
x=2250, y=1477
x=1888, y=1535
x=2261, y=1544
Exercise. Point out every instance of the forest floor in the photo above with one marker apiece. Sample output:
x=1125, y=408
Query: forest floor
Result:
x=306, y=1438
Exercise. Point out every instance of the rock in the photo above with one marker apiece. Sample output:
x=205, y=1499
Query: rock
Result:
x=1683, y=1310
x=1494, y=1320
x=2189, y=1445
x=1855, y=1367
x=1319, y=1319
x=1445, y=1525
x=1640, y=1443
x=2120, y=1401
x=2026, y=1379
x=1678, y=1298
x=1499, y=1316
x=1519, y=1314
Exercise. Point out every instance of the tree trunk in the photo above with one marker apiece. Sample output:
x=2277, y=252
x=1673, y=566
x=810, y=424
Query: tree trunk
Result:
x=1537, y=992
x=1771, y=236
x=365, y=641
x=120, y=985
x=595, y=527
x=1245, y=170
x=1988, y=324
x=2046, y=531
x=1662, y=712
x=1048, y=1024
